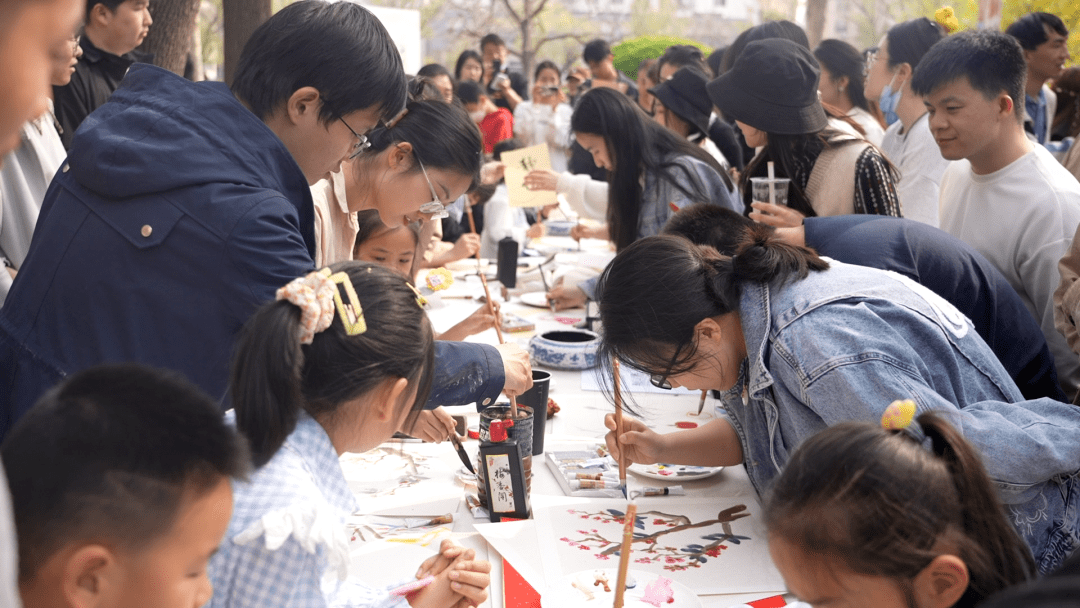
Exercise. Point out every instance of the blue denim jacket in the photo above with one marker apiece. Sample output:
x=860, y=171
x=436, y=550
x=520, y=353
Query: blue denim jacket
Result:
x=843, y=344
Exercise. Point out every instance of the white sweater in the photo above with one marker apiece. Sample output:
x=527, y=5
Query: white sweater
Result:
x=1022, y=218
x=540, y=124
x=24, y=177
x=917, y=156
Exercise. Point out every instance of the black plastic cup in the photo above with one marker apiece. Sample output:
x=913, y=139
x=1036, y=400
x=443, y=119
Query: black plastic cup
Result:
x=537, y=398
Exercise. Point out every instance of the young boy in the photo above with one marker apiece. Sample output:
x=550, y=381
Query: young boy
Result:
x=496, y=124
x=1007, y=197
x=120, y=479
x=114, y=28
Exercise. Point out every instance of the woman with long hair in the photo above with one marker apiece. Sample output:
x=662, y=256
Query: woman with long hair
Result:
x=798, y=344
x=908, y=141
x=842, y=74
x=469, y=66
x=545, y=119
x=652, y=173
x=771, y=92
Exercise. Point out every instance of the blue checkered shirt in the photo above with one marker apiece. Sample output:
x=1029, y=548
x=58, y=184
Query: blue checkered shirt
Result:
x=301, y=498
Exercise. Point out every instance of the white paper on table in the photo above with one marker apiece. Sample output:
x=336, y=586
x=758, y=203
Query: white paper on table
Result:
x=515, y=540
x=392, y=481
x=719, y=558
x=518, y=164
x=633, y=381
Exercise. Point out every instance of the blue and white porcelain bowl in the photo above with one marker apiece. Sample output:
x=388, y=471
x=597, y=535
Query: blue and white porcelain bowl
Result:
x=559, y=227
x=565, y=349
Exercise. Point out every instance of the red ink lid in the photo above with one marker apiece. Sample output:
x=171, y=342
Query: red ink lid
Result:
x=499, y=430
x=684, y=424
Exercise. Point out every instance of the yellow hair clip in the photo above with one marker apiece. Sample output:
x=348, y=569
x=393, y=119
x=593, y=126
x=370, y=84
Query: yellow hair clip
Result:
x=352, y=314
x=420, y=299
x=439, y=279
x=898, y=415
x=946, y=17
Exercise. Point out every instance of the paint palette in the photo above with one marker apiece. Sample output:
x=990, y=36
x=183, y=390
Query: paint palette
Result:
x=590, y=588
x=673, y=472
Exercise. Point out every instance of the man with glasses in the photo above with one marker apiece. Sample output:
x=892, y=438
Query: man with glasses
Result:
x=184, y=206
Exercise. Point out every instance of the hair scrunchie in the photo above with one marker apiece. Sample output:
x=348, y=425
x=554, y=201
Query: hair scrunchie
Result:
x=946, y=17
x=314, y=296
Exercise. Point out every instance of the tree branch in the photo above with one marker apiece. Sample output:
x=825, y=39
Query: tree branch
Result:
x=725, y=516
x=513, y=13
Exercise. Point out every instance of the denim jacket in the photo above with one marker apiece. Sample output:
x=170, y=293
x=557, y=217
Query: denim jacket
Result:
x=844, y=343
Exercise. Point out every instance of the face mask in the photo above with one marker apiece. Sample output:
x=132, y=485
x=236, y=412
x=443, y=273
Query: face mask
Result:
x=477, y=116
x=888, y=101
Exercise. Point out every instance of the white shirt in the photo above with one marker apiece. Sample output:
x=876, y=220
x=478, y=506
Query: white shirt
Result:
x=9, y=553
x=921, y=165
x=25, y=175
x=501, y=221
x=1022, y=218
x=866, y=120
x=536, y=124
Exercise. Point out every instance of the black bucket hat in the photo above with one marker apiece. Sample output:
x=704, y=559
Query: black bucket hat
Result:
x=773, y=87
x=685, y=95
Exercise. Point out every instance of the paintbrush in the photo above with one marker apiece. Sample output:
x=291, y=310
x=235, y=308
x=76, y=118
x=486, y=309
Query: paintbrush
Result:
x=624, y=554
x=619, y=425
x=472, y=226
x=498, y=332
x=701, y=404
x=543, y=279
x=461, y=452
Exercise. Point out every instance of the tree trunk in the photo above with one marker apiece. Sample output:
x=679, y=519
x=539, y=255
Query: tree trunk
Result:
x=527, y=50
x=242, y=18
x=815, y=20
x=170, y=35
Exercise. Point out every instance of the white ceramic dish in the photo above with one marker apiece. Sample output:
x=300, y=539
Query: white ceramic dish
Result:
x=673, y=472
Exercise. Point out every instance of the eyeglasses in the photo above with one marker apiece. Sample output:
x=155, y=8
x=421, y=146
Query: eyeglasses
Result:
x=362, y=142
x=871, y=58
x=435, y=209
x=661, y=381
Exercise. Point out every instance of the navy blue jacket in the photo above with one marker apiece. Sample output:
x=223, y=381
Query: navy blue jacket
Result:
x=953, y=270
x=177, y=214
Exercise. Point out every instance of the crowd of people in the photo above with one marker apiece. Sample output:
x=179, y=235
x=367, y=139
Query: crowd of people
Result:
x=209, y=295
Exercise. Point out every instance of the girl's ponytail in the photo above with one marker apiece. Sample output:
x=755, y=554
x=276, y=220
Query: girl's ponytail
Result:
x=1000, y=558
x=265, y=383
x=763, y=258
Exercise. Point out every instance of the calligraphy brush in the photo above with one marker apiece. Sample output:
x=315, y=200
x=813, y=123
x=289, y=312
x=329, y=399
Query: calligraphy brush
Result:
x=461, y=452
x=472, y=226
x=543, y=279
x=619, y=426
x=624, y=553
x=498, y=332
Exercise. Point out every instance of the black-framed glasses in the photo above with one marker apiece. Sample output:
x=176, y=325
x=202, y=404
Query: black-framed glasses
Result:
x=361, y=142
x=661, y=381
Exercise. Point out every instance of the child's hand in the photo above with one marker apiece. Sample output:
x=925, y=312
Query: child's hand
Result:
x=471, y=579
x=462, y=584
x=448, y=552
x=640, y=443
x=465, y=247
x=535, y=231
